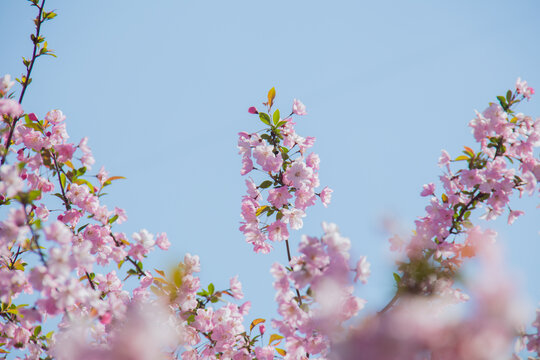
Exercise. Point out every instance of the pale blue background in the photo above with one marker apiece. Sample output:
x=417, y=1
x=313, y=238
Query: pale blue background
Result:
x=162, y=88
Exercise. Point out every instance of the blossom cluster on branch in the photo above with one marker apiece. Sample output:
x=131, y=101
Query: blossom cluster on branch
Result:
x=60, y=248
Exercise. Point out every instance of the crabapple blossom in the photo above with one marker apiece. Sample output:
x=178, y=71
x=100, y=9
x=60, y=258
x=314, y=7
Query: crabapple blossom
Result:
x=76, y=262
x=299, y=108
x=292, y=179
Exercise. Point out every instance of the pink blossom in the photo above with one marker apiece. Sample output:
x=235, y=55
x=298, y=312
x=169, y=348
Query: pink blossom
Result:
x=58, y=232
x=298, y=175
x=65, y=152
x=204, y=320
x=513, y=215
x=279, y=197
x=55, y=116
x=277, y=231
x=5, y=84
x=10, y=108
x=42, y=212
x=445, y=159
x=162, y=241
x=326, y=196
x=247, y=165
x=299, y=108
x=87, y=160
x=10, y=183
x=33, y=139
x=102, y=175
x=264, y=154
x=236, y=288
x=304, y=197
x=264, y=353
x=523, y=89
x=70, y=217
x=253, y=110
x=313, y=161
x=121, y=213
x=293, y=217
x=428, y=189
x=362, y=270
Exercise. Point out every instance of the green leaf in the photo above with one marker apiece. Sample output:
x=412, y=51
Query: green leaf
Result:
x=264, y=118
x=276, y=117
x=49, y=15
x=211, y=289
x=397, y=278
x=265, y=184
x=63, y=180
x=502, y=100
x=82, y=228
x=37, y=330
x=508, y=96
x=33, y=126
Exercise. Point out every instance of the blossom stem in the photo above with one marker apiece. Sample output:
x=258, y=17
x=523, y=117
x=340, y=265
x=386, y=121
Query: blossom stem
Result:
x=34, y=237
x=289, y=257
x=66, y=202
x=390, y=304
x=26, y=81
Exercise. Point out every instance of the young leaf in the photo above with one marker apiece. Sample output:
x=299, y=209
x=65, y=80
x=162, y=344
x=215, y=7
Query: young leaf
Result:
x=255, y=323
x=461, y=157
x=274, y=337
x=264, y=118
x=469, y=151
x=160, y=272
x=271, y=96
x=276, y=117
x=261, y=210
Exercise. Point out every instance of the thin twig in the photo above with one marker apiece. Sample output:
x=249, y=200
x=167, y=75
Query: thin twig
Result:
x=26, y=81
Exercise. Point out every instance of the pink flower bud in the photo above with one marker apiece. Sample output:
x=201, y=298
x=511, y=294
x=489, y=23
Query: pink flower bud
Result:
x=253, y=110
x=105, y=319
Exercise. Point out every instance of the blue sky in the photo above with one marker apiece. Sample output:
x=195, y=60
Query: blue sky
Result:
x=162, y=88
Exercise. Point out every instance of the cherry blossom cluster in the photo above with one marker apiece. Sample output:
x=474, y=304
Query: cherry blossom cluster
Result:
x=310, y=322
x=291, y=177
x=67, y=247
x=60, y=247
x=505, y=164
x=436, y=328
x=58, y=244
x=98, y=313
